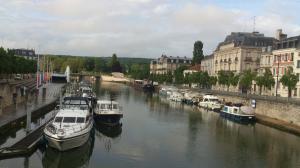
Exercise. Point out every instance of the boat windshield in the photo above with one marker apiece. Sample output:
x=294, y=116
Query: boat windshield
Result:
x=58, y=119
x=69, y=119
x=108, y=106
x=214, y=100
x=80, y=120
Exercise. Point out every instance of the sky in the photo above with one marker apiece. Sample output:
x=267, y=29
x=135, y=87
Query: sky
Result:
x=138, y=28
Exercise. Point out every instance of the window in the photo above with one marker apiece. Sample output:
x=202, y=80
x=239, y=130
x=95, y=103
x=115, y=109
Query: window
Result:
x=58, y=119
x=80, y=120
x=292, y=57
x=115, y=106
x=69, y=119
x=102, y=106
x=298, y=64
x=295, y=92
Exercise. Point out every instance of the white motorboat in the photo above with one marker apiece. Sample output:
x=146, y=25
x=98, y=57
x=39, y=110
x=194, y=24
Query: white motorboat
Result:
x=71, y=126
x=210, y=102
x=176, y=96
x=108, y=112
x=238, y=112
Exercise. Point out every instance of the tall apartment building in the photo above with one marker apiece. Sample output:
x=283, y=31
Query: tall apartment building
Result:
x=166, y=64
x=207, y=64
x=25, y=53
x=286, y=54
x=240, y=51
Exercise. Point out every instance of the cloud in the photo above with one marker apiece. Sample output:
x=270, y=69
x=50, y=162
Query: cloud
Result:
x=134, y=28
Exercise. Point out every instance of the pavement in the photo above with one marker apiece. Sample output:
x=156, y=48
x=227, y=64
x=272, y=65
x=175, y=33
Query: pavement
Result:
x=15, y=112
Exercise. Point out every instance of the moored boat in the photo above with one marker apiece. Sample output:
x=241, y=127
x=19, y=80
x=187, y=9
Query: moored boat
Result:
x=108, y=112
x=71, y=126
x=210, y=102
x=238, y=112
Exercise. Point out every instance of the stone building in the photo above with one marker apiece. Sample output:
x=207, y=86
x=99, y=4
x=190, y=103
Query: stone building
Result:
x=240, y=51
x=207, y=64
x=166, y=64
x=286, y=54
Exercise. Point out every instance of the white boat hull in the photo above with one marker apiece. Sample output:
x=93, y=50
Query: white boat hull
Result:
x=69, y=143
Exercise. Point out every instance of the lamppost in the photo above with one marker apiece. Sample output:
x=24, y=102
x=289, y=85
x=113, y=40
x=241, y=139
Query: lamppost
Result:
x=277, y=75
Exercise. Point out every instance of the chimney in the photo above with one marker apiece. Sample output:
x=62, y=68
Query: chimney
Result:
x=280, y=35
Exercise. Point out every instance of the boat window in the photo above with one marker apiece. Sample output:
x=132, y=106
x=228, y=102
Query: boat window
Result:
x=115, y=106
x=109, y=106
x=69, y=119
x=235, y=110
x=80, y=120
x=58, y=119
x=102, y=106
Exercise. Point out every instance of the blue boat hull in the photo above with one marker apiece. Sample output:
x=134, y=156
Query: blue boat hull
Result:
x=238, y=118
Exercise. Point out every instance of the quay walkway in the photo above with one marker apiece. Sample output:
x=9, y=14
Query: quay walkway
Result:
x=11, y=116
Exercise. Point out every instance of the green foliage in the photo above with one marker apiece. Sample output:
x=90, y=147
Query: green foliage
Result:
x=246, y=79
x=12, y=64
x=269, y=80
x=178, y=75
x=139, y=71
x=115, y=64
x=222, y=78
x=289, y=80
x=198, y=52
x=213, y=80
x=260, y=81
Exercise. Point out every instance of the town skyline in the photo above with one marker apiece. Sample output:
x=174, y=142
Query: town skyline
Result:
x=132, y=28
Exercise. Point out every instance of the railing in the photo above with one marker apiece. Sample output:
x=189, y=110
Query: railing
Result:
x=67, y=130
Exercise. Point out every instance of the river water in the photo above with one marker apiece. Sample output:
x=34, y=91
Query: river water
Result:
x=159, y=133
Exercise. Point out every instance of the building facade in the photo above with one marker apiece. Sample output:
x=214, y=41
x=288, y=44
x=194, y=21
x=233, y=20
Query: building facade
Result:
x=207, y=64
x=240, y=51
x=286, y=54
x=168, y=64
x=25, y=53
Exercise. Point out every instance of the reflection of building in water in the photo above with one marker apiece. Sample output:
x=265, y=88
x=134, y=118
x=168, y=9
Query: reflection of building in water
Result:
x=77, y=157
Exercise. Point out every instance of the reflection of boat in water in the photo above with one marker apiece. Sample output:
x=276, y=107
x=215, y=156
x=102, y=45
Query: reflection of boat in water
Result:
x=109, y=131
x=78, y=157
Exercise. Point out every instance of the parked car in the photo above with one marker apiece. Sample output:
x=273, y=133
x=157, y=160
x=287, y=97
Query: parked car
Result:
x=18, y=77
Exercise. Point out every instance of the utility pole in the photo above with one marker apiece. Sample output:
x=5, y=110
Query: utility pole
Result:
x=277, y=75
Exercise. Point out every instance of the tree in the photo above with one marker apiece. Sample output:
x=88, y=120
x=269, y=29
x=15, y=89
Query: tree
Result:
x=289, y=80
x=178, y=74
x=115, y=64
x=198, y=52
x=222, y=78
x=213, y=80
x=246, y=80
x=89, y=64
x=234, y=79
x=260, y=81
x=269, y=80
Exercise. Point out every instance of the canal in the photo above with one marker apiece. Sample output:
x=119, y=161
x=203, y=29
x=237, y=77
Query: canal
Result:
x=159, y=133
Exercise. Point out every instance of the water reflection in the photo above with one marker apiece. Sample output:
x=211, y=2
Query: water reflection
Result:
x=109, y=131
x=77, y=157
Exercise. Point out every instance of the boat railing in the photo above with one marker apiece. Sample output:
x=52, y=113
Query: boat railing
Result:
x=67, y=130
